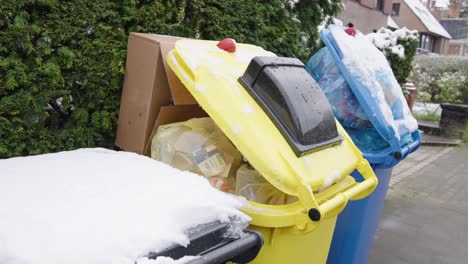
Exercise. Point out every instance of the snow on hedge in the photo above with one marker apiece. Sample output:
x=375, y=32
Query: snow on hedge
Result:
x=387, y=40
x=98, y=206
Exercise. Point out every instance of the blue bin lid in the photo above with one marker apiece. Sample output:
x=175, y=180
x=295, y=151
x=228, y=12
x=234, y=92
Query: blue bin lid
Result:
x=371, y=79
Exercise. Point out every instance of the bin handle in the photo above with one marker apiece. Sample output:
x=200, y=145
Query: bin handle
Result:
x=407, y=149
x=335, y=205
x=410, y=148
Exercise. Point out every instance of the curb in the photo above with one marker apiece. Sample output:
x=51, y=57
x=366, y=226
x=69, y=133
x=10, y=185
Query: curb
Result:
x=432, y=140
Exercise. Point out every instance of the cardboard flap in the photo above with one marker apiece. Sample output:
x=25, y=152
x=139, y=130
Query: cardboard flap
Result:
x=149, y=84
x=173, y=114
x=180, y=94
x=145, y=90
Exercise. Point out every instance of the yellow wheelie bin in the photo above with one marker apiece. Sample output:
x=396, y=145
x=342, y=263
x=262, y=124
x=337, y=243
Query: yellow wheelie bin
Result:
x=278, y=118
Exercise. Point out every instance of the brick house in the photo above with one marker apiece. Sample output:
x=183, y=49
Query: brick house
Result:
x=413, y=14
x=366, y=15
x=458, y=29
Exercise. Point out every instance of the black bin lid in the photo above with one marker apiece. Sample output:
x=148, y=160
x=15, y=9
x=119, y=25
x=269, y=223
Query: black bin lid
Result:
x=293, y=101
x=212, y=244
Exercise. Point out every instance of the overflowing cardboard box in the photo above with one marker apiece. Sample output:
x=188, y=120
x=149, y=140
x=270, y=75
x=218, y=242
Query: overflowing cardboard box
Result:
x=152, y=94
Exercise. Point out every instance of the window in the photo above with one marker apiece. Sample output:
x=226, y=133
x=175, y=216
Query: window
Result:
x=378, y=4
x=396, y=9
x=426, y=42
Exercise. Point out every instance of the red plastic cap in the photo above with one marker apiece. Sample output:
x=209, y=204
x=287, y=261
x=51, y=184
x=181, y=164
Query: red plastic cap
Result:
x=351, y=31
x=227, y=44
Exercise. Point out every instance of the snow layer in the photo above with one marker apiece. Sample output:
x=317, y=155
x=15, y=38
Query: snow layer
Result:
x=197, y=53
x=391, y=23
x=387, y=40
x=398, y=50
x=332, y=178
x=100, y=206
x=165, y=260
x=293, y=3
x=421, y=11
x=442, y=3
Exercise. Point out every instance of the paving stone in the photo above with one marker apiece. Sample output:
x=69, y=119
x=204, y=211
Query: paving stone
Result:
x=425, y=217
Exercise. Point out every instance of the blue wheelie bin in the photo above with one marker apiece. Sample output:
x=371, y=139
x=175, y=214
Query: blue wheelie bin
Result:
x=367, y=100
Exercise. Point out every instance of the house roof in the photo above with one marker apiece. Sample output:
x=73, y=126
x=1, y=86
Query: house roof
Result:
x=391, y=23
x=456, y=27
x=442, y=3
x=429, y=21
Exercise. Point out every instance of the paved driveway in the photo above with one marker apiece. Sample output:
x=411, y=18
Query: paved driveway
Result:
x=425, y=217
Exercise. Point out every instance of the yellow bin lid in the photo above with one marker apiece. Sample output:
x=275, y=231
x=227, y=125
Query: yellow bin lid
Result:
x=211, y=75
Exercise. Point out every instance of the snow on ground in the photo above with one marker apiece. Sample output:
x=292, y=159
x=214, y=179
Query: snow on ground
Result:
x=100, y=206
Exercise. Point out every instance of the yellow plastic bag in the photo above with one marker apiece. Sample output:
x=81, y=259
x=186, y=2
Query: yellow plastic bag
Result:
x=199, y=146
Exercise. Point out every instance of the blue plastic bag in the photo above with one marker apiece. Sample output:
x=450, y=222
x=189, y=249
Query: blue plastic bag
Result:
x=345, y=105
x=365, y=96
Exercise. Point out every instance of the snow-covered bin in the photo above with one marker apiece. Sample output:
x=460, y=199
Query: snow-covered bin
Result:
x=365, y=96
x=368, y=101
x=275, y=114
x=212, y=245
x=99, y=206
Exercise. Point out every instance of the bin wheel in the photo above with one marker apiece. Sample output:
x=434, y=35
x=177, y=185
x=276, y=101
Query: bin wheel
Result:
x=397, y=155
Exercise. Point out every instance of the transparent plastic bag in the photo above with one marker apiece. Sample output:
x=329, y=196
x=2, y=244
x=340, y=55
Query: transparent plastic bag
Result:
x=199, y=146
x=251, y=185
x=344, y=103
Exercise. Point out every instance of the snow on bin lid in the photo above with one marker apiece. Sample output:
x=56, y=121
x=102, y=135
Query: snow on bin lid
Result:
x=370, y=77
x=100, y=206
x=211, y=75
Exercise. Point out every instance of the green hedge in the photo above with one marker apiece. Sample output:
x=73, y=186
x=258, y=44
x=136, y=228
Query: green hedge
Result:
x=441, y=79
x=399, y=47
x=402, y=66
x=62, y=62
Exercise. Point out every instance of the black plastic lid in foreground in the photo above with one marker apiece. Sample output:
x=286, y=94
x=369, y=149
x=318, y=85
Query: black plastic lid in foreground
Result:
x=293, y=101
x=211, y=243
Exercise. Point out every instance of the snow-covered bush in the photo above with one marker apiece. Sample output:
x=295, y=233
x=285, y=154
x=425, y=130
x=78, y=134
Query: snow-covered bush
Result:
x=399, y=47
x=441, y=79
